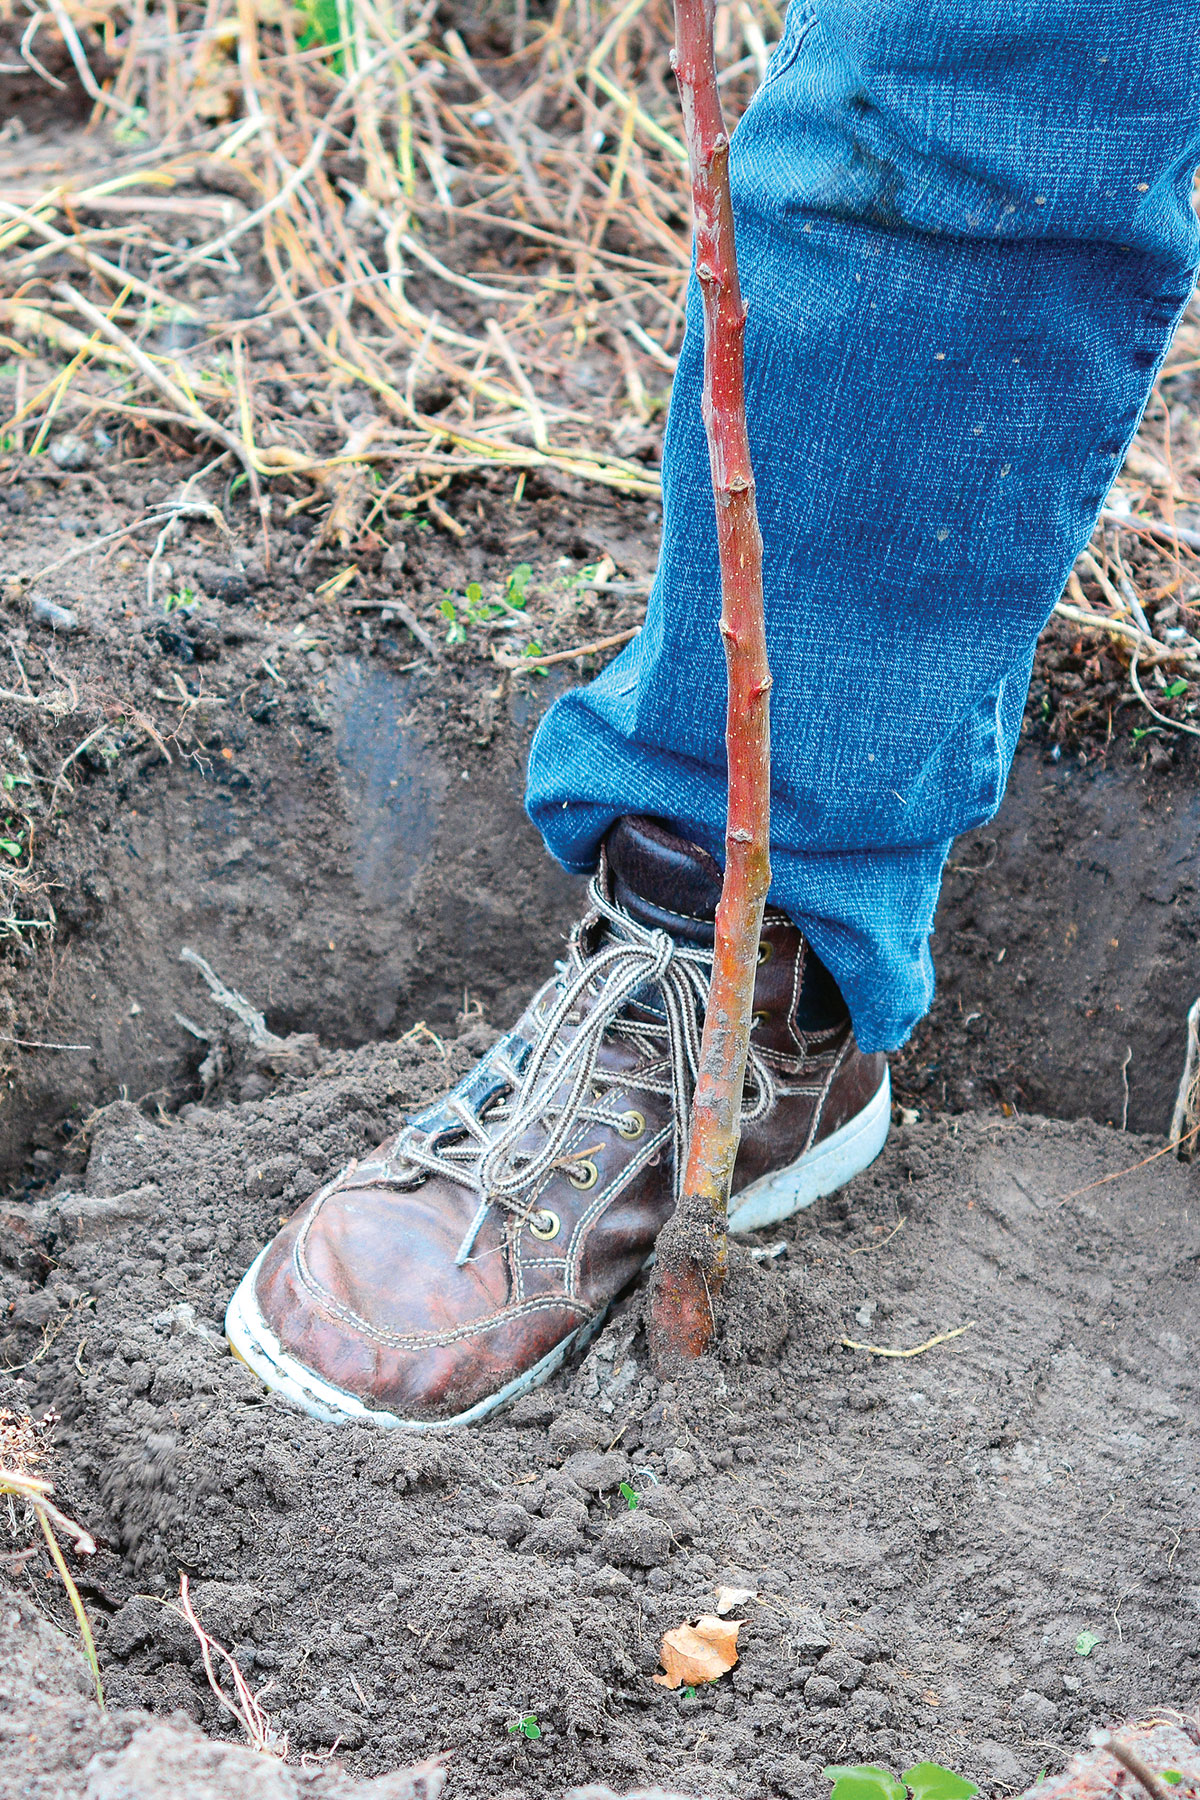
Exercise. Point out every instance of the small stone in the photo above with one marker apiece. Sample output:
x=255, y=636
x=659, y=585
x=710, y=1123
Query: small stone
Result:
x=822, y=1690
x=565, y=1506
x=870, y=1707
x=637, y=1541
x=131, y=1626
x=998, y=1761
x=532, y=1409
x=1035, y=1709
x=319, y=1725
x=223, y=581
x=808, y=1637
x=270, y=1179
x=662, y=1503
x=71, y=452
x=55, y=617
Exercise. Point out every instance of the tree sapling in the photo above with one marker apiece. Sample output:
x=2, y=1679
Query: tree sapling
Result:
x=692, y=1247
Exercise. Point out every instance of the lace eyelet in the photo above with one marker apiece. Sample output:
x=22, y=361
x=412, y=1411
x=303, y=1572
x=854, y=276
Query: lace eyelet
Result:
x=765, y=953
x=630, y=1125
x=760, y=1018
x=545, y=1224
x=585, y=1175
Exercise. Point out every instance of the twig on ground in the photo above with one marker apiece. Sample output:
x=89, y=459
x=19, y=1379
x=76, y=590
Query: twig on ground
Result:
x=1153, y=528
x=37, y=1044
x=1139, y=690
x=1173, y=1143
x=943, y=1337
x=1129, y=1759
x=507, y=661
x=232, y=1001
x=1130, y=634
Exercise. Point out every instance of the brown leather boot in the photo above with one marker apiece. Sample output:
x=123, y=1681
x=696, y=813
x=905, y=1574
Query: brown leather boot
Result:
x=459, y=1264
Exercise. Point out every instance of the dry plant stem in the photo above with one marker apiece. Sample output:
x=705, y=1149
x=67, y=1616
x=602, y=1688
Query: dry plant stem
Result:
x=36, y=1492
x=1141, y=1771
x=77, y=1607
x=692, y=1247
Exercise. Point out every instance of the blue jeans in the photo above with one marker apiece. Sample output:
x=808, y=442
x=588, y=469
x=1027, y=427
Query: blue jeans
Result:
x=966, y=237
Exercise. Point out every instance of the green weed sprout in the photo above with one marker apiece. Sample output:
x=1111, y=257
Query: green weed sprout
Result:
x=518, y=581
x=924, y=1781
x=526, y=1725
x=630, y=1496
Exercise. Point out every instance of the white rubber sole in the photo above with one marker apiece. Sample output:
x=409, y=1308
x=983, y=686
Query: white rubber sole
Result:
x=819, y=1171
x=852, y=1148
x=252, y=1339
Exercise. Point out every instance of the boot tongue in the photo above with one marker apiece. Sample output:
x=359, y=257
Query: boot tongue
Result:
x=665, y=882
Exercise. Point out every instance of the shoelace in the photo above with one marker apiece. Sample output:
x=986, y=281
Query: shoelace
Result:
x=630, y=959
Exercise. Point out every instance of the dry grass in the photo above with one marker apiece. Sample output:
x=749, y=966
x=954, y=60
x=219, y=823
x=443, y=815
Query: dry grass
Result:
x=359, y=256
x=20, y=1451
x=466, y=236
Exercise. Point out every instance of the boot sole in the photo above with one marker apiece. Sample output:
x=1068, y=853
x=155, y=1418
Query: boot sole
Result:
x=829, y=1165
x=775, y=1197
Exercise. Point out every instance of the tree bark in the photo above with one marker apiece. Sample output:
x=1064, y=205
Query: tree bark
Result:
x=692, y=1247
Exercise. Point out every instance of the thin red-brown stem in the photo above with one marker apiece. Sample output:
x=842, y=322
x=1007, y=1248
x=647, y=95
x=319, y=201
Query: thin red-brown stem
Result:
x=692, y=1247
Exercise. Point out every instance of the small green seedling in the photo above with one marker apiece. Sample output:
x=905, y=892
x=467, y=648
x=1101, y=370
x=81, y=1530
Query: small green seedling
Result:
x=526, y=1725
x=131, y=129
x=473, y=609
x=1174, y=688
x=925, y=1781
x=929, y=1781
x=518, y=581
x=630, y=1496
x=457, y=633
x=184, y=599
x=1085, y=1643
x=1172, y=1777
x=689, y=1693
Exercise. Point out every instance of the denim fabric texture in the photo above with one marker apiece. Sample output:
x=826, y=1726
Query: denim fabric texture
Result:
x=966, y=235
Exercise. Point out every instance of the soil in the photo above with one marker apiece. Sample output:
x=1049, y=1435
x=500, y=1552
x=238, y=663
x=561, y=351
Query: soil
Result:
x=925, y=1537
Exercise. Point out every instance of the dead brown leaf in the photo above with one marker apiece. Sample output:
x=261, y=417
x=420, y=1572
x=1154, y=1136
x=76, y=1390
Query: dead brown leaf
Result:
x=694, y=1654
x=730, y=1597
